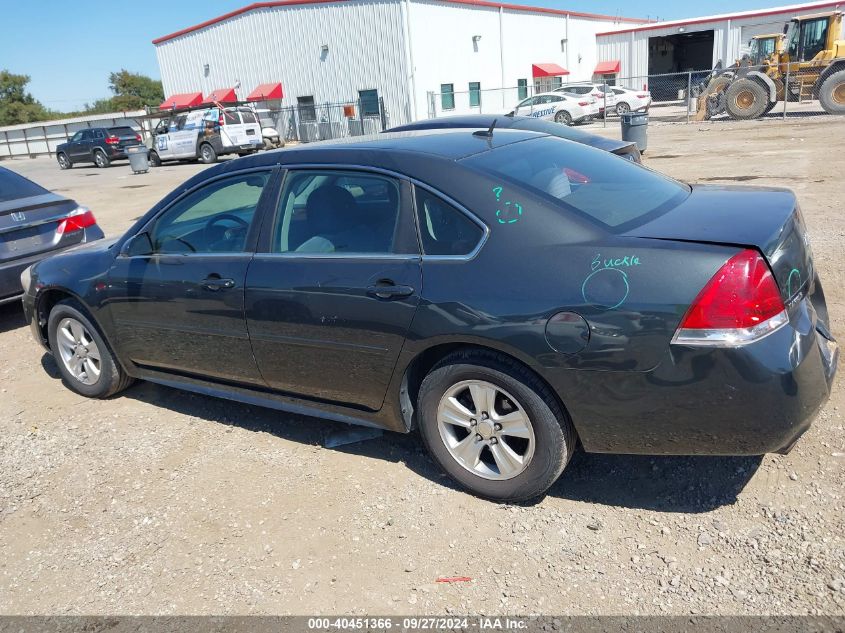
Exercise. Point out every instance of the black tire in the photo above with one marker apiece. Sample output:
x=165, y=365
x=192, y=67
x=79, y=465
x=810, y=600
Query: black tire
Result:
x=207, y=154
x=622, y=108
x=554, y=435
x=155, y=161
x=112, y=378
x=770, y=107
x=746, y=99
x=563, y=117
x=832, y=93
x=64, y=161
x=100, y=159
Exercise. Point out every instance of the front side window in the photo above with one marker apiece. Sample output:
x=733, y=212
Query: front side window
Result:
x=447, y=96
x=76, y=137
x=212, y=219
x=474, y=94
x=522, y=88
x=591, y=183
x=322, y=211
x=443, y=229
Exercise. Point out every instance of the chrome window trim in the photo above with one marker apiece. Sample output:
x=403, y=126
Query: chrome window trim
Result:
x=400, y=256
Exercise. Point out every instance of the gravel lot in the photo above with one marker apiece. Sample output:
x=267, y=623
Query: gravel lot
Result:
x=162, y=502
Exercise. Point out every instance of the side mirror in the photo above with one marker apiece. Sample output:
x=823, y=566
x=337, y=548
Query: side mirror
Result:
x=138, y=245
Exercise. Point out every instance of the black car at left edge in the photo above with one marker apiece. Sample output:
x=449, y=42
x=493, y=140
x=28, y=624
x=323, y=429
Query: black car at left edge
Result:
x=35, y=223
x=507, y=292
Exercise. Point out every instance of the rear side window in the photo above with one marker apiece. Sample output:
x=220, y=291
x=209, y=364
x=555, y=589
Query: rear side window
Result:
x=443, y=229
x=593, y=183
x=14, y=186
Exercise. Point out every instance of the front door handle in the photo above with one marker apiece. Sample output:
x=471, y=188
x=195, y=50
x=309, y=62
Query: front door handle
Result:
x=389, y=291
x=215, y=283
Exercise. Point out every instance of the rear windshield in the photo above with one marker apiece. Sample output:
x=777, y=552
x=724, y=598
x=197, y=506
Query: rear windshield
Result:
x=599, y=185
x=248, y=116
x=13, y=186
x=231, y=117
x=122, y=131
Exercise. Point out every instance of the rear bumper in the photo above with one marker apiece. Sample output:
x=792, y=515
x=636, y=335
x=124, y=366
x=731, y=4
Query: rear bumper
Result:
x=744, y=401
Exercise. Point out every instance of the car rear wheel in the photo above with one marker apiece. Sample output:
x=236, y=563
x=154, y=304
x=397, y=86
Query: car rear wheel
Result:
x=85, y=361
x=622, y=108
x=494, y=426
x=64, y=161
x=832, y=93
x=100, y=159
x=563, y=117
x=207, y=154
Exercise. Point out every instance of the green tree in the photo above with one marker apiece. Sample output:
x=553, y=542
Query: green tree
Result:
x=16, y=104
x=133, y=91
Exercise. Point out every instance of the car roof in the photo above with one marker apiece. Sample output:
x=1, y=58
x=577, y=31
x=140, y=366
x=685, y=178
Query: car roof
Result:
x=552, y=93
x=483, y=121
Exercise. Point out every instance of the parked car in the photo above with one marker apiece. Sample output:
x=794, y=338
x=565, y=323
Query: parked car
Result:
x=593, y=90
x=98, y=145
x=628, y=100
x=272, y=138
x=35, y=223
x=559, y=108
x=506, y=292
x=206, y=133
x=624, y=149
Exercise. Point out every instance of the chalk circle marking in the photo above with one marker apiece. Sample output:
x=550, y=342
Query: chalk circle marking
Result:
x=508, y=211
x=793, y=272
x=604, y=304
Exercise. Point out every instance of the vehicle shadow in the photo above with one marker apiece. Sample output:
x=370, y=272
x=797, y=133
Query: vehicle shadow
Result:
x=11, y=316
x=660, y=484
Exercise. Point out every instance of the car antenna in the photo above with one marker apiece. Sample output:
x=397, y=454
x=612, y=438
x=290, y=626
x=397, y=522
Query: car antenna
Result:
x=488, y=133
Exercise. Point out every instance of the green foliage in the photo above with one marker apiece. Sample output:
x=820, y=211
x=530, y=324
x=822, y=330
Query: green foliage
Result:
x=133, y=91
x=16, y=104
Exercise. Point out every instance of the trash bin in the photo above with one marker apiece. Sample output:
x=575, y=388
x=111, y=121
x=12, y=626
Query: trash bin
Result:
x=635, y=128
x=138, y=158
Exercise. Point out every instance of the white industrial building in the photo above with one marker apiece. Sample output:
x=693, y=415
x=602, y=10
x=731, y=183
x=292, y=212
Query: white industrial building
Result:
x=410, y=53
x=694, y=44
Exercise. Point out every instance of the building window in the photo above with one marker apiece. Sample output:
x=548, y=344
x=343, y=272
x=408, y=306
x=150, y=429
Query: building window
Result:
x=447, y=96
x=369, y=102
x=522, y=89
x=307, y=112
x=474, y=94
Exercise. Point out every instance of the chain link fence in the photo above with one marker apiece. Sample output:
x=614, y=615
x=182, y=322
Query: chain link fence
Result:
x=721, y=94
x=325, y=121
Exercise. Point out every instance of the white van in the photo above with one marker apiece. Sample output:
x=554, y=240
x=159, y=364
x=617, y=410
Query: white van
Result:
x=206, y=133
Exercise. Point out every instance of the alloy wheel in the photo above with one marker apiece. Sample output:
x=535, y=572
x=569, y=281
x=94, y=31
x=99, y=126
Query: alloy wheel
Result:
x=78, y=351
x=485, y=430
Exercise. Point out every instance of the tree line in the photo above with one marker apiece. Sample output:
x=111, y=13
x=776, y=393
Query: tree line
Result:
x=130, y=91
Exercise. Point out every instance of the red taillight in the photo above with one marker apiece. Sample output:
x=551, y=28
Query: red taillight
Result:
x=583, y=103
x=78, y=219
x=644, y=96
x=220, y=119
x=740, y=304
x=112, y=140
x=138, y=137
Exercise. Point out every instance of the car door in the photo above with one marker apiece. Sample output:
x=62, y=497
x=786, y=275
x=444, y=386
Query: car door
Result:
x=82, y=148
x=333, y=288
x=176, y=293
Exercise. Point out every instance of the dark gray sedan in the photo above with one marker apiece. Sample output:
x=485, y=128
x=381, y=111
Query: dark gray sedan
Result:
x=506, y=292
x=35, y=223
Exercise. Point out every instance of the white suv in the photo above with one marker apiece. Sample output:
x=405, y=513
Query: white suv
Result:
x=592, y=90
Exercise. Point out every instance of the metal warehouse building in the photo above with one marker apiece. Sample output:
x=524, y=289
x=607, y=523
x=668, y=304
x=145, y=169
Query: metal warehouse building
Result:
x=326, y=51
x=695, y=44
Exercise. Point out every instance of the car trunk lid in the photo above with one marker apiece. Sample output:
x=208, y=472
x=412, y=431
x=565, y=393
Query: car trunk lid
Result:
x=766, y=219
x=126, y=136
x=28, y=225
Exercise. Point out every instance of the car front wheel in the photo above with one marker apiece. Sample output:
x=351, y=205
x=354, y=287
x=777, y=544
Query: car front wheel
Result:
x=494, y=426
x=85, y=361
x=64, y=161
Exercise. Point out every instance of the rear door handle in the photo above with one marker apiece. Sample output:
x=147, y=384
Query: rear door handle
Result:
x=215, y=283
x=390, y=291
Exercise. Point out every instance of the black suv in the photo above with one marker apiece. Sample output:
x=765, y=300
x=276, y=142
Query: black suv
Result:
x=98, y=145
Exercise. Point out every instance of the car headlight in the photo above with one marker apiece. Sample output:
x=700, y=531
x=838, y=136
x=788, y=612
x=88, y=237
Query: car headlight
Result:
x=26, y=278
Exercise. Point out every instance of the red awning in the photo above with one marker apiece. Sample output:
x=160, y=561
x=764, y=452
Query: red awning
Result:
x=222, y=95
x=548, y=70
x=184, y=100
x=266, y=92
x=607, y=68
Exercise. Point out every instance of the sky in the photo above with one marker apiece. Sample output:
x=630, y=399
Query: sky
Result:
x=69, y=48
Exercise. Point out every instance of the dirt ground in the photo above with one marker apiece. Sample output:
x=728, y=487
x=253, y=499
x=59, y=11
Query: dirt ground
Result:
x=162, y=502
